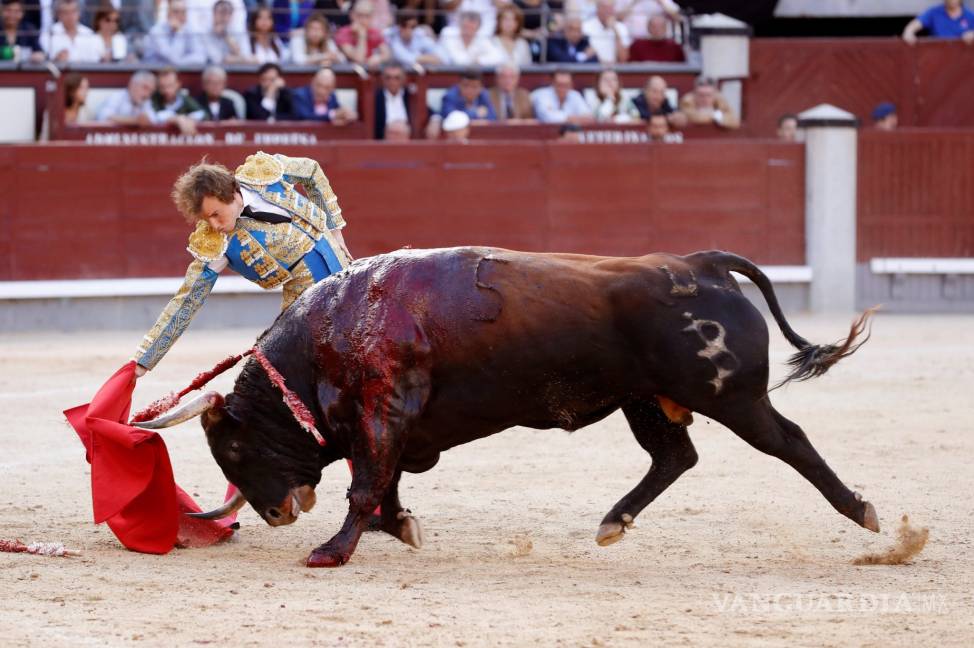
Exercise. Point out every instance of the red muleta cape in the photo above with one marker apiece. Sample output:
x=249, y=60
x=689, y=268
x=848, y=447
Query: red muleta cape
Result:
x=132, y=484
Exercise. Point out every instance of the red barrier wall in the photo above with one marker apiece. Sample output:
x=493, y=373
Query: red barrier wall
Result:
x=84, y=211
x=916, y=192
x=929, y=82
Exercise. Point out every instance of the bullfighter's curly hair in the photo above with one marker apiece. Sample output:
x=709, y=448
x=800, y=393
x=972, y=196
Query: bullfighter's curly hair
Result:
x=201, y=180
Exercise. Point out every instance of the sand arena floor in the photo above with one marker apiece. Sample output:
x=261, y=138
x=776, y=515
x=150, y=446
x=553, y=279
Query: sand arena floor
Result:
x=741, y=551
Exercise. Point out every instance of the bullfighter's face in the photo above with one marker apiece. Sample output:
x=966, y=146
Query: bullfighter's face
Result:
x=278, y=481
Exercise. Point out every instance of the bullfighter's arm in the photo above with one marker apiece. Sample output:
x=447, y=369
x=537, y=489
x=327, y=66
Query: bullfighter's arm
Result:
x=208, y=248
x=308, y=173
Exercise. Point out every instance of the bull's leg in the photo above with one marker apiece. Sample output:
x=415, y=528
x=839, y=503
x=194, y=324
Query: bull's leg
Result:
x=396, y=520
x=376, y=444
x=373, y=475
x=673, y=454
x=765, y=429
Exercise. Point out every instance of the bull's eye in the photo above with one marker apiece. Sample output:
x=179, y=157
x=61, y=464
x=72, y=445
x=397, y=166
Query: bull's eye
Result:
x=233, y=451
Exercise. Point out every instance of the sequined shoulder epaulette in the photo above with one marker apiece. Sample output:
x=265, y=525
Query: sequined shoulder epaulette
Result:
x=206, y=244
x=260, y=169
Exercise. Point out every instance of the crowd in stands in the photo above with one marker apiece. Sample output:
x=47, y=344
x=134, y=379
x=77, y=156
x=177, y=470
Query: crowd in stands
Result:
x=505, y=35
x=187, y=33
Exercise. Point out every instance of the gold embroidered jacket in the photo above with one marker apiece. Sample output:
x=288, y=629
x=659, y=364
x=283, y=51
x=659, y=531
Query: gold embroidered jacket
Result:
x=294, y=255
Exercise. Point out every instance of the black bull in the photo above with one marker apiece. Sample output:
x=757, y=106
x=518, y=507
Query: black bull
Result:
x=408, y=354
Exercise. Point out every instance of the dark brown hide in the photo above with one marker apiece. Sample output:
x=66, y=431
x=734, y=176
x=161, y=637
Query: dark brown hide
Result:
x=408, y=354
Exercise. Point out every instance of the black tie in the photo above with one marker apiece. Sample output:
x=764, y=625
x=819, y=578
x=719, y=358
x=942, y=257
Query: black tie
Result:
x=267, y=217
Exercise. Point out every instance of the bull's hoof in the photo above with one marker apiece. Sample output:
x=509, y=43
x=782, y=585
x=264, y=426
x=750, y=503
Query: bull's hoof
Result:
x=869, y=518
x=326, y=558
x=410, y=530
x=611, y=532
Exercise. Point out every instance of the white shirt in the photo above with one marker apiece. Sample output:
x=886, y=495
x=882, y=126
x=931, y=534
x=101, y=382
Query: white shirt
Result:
x=637, y=22
x=395, y=106
x=85, y=47
x=520, y=56
x=480, y=51
x=199, y=16
x=603, y=39
x=486, y=9
x=256, y=202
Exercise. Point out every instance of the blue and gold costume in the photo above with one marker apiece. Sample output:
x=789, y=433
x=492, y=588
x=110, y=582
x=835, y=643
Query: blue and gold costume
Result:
x=293, y=254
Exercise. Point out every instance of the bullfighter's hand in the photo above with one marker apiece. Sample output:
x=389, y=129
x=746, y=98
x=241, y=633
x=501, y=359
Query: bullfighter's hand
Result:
x=140, y=371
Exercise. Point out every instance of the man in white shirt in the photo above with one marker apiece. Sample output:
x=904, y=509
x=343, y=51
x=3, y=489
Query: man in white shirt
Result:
x=170, y=42
x=69, y=41
x=607, y=36
x=131, y=106
x=561, y=102
x=392, y=99
x=465, y=45
x=485, y=9
x=223, y=45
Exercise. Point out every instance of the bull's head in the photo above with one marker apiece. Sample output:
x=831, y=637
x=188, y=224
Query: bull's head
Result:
x=273, y=473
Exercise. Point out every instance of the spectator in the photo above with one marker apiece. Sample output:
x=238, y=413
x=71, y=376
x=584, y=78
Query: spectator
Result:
x=658, y=47
x=75, y=99
x=314, y=45
x=469, y=97
x=138, y=16
x=884, y=117
x=608, y=37
x=359, y=42
x=572, y=46
x=706, y=105
x=169, y=41
x=486, y=10
x=221, y=44
x=131, y=106
x=173, y=105
x=265, y=44
x=513, y=47
x=466, y=45
x=658, y=128
x=948, y=20
x=19, y=34
x=411, y=45
x=653, y=101
x=290, y=15
x=199, y=14
x=560, y=102
x=532, y=11
x=69, y=41
x=392, y=100
x=509, y=100
x=317, y=101
x=637, y=14
x=608, y=103
x=114, y=44
x=456, y=126
x=216, y=106
x=570, y=134
x=337, y=11
x=788, y=128
x=398, y=131
x=270, y=99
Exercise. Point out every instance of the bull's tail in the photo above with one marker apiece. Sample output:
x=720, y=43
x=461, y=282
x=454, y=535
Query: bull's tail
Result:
x=812, y=360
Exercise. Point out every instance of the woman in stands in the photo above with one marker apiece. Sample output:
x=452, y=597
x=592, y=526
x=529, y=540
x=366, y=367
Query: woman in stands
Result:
x=314, y=45
x=254, y=221
x=608, y=102
x=266, y=45
x=75, y=96
x=106, y=29
x=508, y=39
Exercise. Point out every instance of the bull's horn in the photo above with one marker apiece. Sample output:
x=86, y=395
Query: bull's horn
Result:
x=195, y=407
x=231, y=506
